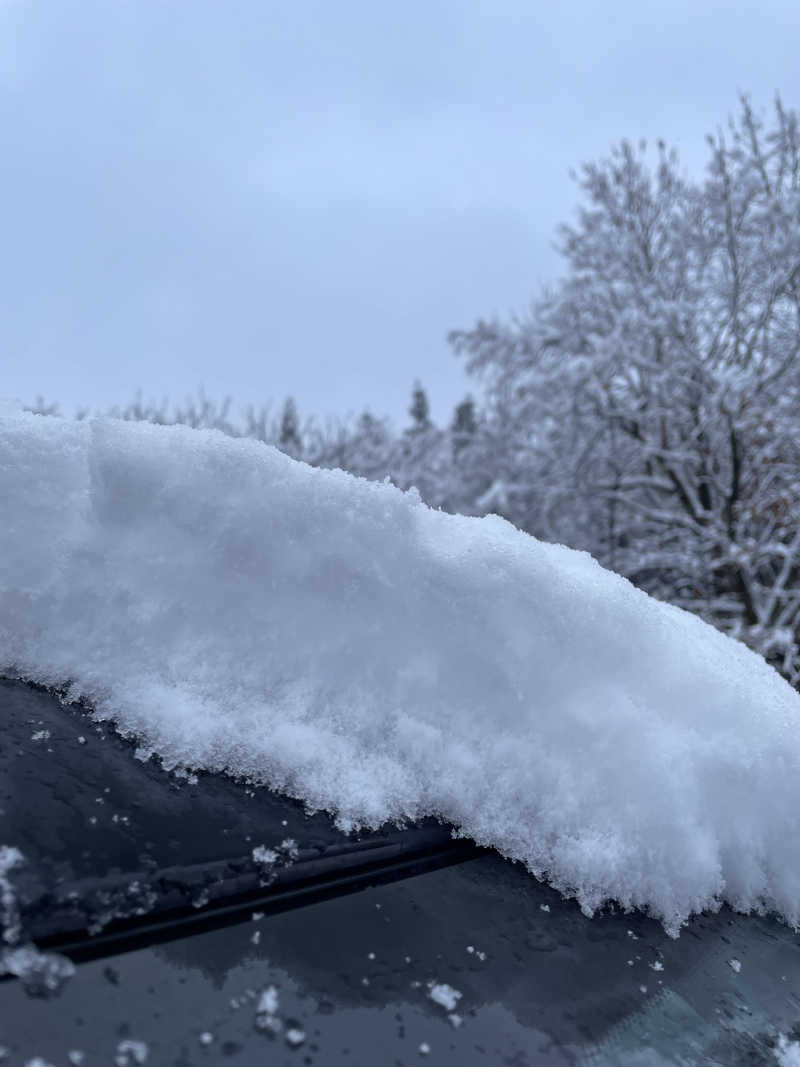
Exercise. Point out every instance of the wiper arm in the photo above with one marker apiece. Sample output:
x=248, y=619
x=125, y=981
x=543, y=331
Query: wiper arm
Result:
x=94, y=918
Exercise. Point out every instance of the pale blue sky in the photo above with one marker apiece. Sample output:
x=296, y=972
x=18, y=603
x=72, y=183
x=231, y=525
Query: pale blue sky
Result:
x=305, y=197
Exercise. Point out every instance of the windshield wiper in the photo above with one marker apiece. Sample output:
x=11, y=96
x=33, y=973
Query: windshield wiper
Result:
x=94, y=918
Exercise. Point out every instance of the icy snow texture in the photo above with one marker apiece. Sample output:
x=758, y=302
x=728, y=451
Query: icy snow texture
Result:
x=444, y=994
x=336, y=639
x=787, y=1052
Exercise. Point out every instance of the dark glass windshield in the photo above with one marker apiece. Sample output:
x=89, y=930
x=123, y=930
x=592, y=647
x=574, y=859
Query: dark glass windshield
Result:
x=116, y=849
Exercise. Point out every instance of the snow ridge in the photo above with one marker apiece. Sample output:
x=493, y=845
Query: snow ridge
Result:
x=336, y=639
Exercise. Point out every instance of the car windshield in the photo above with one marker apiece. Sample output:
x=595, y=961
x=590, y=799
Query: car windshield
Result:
x=116, y=851
x=466, y=961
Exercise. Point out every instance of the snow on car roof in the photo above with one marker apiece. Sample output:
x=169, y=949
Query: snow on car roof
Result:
x=236, y=610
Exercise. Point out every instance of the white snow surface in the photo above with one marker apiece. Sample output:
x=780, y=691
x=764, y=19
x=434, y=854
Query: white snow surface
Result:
x=336, y=639
x=787, y=1052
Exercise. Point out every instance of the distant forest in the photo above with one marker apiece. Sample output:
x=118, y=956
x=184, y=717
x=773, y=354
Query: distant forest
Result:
x=645, y=408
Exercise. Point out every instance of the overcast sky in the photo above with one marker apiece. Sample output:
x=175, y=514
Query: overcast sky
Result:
x=304, y=197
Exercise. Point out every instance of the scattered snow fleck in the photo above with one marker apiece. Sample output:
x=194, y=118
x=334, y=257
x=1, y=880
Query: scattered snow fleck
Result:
x=642, y=988
x=81, y=740
x=633, y=936
x=424, y=1048
x=266, y=1011
x=735, y=965
x=268, y=1001
x=319, y=611
x=42, y=974
x=444, y=994
x=407, y=959
x=787, y=1052
x=206, y=1038
x=130, y=1053
x=258, y=916
x=657, y=965
x=295, y=1036
x=10, y=929
x=76, y=1057
x=256, y=937
x=630, y=963
x=365, y=981
x=544, y=907
x=455, y=1019
x=370, y=955
x=38, y=1061
x=470, y=948
x=267, y=856
x=481, y=955
x=270, y=1024
x=40, y=735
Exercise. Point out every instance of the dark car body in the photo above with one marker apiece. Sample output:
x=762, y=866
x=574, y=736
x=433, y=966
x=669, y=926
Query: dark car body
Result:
x=212, y=921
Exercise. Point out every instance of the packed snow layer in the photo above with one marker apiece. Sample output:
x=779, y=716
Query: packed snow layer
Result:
x=336, y=639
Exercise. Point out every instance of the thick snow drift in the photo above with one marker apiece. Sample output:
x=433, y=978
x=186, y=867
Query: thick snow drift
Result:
x=338, y=640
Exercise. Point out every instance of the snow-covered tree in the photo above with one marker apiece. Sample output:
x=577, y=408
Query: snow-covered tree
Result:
x=653, y=395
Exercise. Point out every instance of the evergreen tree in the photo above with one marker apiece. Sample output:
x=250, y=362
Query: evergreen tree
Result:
x=289, y=439
x=420, y=409
x=464, y=424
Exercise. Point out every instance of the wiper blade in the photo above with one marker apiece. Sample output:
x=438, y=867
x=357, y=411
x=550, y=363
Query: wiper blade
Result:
x=94, y=918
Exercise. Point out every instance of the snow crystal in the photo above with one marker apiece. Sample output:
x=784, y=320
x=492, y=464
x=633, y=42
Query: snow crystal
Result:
x=444, y=994
x=42, y=974
x=268, y=1001
x=334, y=638
x=206, y=1038
x=735, y=965
x=267, y=856
x=130, y=1053
x=295, y=1036
x=76, y=1057
x=10, y=929
x=787, y=1052
x=424, y=1048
